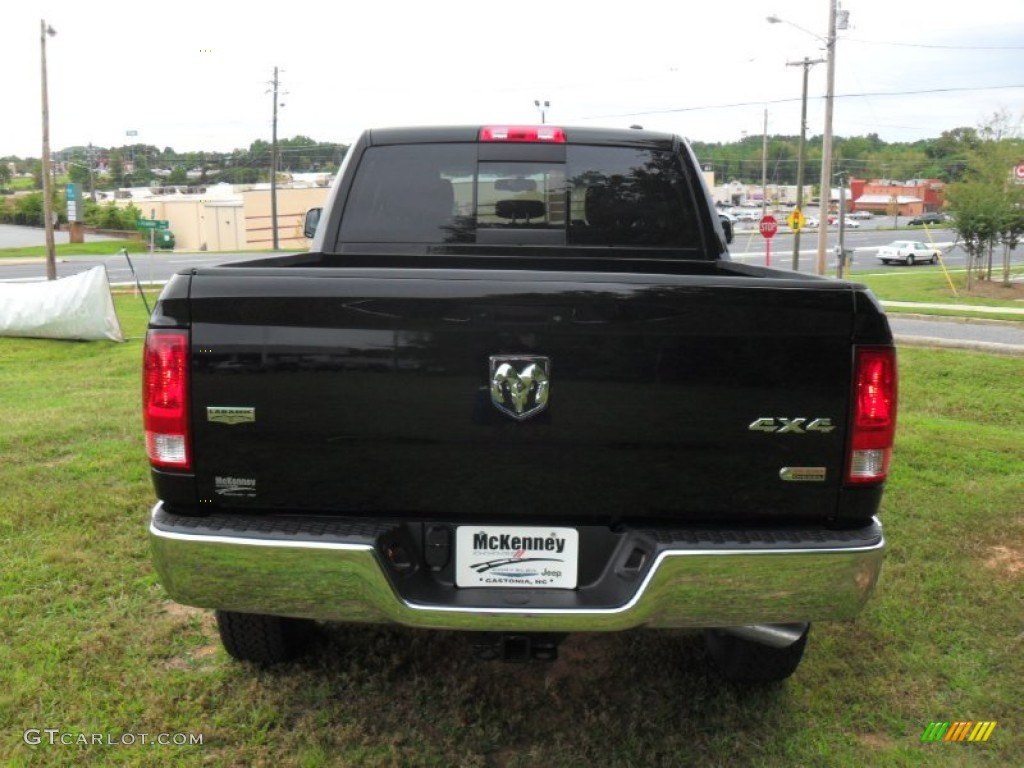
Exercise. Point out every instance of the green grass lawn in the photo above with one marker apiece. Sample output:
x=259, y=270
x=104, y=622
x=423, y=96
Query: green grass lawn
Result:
x=931, y=285
x=88, y=248
x=90, y=645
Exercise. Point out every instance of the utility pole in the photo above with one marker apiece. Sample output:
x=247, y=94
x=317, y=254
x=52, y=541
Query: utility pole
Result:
x=273, y=168
x=826, y=144
x=51, y=248
x=841, y=248
x=92, y=175
x=764, y=166
x=802, y=153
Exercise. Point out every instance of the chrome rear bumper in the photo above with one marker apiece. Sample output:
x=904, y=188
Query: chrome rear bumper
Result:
x=334, y=573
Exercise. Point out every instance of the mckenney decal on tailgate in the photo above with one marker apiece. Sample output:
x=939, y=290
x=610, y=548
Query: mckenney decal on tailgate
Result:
x=234, y=486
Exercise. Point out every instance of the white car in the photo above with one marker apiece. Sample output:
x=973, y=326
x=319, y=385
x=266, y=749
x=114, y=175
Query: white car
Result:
x=910, y=252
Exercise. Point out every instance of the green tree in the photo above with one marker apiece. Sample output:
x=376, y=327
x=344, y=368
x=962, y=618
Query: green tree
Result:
x=116, y=168
x=988, y=204
x=28, y=209
x=79, y=174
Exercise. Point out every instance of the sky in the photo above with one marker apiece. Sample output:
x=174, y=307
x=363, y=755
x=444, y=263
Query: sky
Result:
x=197, y=75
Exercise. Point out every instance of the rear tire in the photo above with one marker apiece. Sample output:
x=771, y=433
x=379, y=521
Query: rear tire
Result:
x=745, y=661
x=910, y=260
x=262, y=639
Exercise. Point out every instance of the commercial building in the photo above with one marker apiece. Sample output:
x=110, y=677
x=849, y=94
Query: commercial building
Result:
x=226, y=217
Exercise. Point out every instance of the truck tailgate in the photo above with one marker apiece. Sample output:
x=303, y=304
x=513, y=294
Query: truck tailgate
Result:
x=359, y=391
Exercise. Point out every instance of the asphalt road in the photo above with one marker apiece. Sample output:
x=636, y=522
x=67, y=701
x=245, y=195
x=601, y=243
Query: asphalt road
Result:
x=750, y=248
x=959, y=331
x=12, y=236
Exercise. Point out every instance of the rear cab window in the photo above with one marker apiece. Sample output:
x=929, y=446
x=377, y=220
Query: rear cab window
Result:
x=521, y=194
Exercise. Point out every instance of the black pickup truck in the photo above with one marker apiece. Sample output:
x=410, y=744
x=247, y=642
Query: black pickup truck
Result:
x=518, y=388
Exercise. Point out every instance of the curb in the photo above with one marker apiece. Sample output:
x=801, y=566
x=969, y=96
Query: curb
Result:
x=991, y=347
x=954, y=307
x=962, y=319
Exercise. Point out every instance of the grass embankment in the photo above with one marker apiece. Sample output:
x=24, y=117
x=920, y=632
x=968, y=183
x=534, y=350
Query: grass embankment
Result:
x=91, y=646
x=91, y=248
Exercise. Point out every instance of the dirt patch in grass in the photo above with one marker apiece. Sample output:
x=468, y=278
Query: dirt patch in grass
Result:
x=183, y=613
x=994, y=289
x=1008, y=561
x=202, y=626
x=877, y=741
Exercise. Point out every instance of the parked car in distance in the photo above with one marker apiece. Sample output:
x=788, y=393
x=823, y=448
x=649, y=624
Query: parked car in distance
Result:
x=910, y=252
x=927, y=218
x=860, y=215
x=851, y=223
x=811, y=223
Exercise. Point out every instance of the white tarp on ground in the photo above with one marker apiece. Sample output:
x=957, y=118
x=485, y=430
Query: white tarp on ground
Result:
x=78, y=307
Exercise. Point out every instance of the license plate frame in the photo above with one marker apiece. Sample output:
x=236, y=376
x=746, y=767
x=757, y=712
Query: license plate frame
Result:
x=516, y=557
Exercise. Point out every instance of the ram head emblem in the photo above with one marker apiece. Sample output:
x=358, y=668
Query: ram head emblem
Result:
x=520, y=385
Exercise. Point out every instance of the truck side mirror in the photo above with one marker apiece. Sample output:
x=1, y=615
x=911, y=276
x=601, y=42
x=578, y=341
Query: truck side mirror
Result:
x=727, y=229
x=312, y=219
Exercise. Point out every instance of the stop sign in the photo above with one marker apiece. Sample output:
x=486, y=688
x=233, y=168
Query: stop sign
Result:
x=768, y=226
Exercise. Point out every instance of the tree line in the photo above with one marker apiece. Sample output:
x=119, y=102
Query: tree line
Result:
x=864, y=157
x=140, y=165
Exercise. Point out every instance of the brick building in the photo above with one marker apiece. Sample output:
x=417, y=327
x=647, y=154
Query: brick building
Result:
x=903, y=198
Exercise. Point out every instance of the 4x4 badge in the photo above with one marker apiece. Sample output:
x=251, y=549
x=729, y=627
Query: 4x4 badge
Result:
x=520, y=385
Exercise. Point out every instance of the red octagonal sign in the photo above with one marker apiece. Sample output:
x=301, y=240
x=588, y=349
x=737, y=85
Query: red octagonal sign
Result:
x=768, y=226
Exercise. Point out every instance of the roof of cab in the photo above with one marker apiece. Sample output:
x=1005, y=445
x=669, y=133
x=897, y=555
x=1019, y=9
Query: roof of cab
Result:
x=471, y=133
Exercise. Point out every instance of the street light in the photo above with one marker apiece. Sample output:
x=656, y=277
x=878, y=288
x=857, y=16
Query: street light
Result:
x=542, y=106
x=273, y=164
x=51, y=250
x=826, y=143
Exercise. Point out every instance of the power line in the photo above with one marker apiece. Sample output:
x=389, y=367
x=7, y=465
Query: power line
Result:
x=940, y=47
x=790, y=100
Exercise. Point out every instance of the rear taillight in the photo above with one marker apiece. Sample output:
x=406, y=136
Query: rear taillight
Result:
x=874, y=414
x=546, y=134
x=165, y=399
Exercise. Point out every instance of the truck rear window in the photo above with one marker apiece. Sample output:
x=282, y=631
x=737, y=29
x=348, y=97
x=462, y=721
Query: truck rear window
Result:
x=600, y=196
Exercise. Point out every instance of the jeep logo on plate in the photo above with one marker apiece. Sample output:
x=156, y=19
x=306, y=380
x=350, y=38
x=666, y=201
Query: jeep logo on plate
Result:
x=520, y=385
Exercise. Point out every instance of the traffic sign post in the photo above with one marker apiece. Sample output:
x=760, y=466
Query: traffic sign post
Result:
x=768, y=226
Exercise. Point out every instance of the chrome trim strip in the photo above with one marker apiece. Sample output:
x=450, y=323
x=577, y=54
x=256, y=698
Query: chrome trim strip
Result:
x=250, y=542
